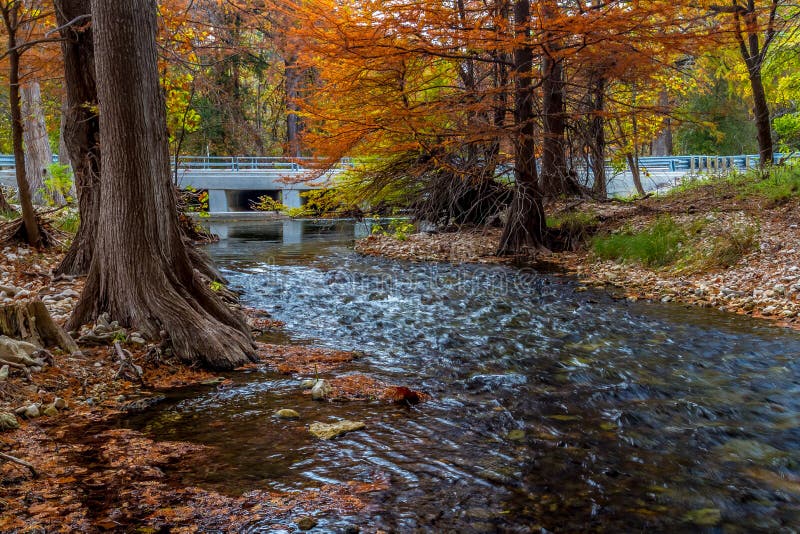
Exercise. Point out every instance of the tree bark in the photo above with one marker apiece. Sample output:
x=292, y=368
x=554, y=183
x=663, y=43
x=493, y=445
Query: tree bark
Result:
x=555, y=180
x=633, y=165
x=598, y=138
x=31, y=224
x=292, y=80
x=39, y=155
x=81, y=130
x=525, y=227
x=141, y=272
x=762, y=116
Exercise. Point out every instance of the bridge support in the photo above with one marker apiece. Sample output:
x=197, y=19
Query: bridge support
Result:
x=291, y=198
x=217, y=201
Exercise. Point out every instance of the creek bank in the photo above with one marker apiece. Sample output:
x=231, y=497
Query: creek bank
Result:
x=60, y=414
x=764, y=282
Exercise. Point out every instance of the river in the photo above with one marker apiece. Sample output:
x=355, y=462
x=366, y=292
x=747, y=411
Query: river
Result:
x=551, y=408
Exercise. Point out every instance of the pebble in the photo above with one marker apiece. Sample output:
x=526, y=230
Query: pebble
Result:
x=306, y=523
x=60, y=403
x=769, y=310
x=321, y=390
x=31, y=412
x=4, y=373
x=50, y=410
x=331, y=430
x=287, y=413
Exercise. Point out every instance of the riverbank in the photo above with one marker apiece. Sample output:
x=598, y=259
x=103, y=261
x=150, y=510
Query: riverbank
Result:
x=738, y=251
x=81, y=470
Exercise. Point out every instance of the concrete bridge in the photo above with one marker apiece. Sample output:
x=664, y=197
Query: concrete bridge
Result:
x=233, y=182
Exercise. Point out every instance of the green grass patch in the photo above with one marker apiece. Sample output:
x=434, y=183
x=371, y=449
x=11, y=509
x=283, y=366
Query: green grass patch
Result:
x=780, y=184
x=68, y=222
x=729, y=248
x=655, y=246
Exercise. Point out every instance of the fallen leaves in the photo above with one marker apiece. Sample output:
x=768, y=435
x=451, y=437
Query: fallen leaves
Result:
x=297, y=359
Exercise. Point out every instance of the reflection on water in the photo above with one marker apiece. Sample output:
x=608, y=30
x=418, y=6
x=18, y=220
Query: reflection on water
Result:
x=551, y=408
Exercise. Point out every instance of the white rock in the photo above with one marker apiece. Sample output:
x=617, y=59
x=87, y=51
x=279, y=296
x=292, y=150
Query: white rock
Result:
x=320, y=390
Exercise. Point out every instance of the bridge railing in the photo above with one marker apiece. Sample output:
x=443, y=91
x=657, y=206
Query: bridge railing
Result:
x=253, y=163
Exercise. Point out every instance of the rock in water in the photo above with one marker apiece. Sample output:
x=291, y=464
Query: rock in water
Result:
x=287, y=413
x=306, y=523
x=308, y=383
x=320, y=390
x=331, y=430
x=8, y=421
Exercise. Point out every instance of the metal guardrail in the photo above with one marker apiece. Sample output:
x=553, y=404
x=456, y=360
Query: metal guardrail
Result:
x=254, y=163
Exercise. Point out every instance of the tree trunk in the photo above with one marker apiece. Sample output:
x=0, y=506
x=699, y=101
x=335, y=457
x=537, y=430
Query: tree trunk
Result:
x=292, y=76
x=598, y=138
x=633, y=164
x=141, y=272
x=662, y=145
x=762, y=115
x=555, y=180
x=32, y=232
x=38, y=154
x=81, y=130
x=525, y=227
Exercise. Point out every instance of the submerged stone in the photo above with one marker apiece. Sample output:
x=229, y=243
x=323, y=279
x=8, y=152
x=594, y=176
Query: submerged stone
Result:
x=287, y=413
x=332, y=430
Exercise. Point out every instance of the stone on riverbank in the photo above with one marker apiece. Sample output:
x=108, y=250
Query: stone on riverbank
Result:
x=8, y=421
x=332, y=430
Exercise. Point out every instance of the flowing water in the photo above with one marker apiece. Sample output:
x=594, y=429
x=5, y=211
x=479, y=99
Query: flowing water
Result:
x=551, y=408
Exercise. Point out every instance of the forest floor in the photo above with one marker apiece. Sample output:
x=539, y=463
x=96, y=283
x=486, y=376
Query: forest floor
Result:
x=721, y=244
x=94, y=475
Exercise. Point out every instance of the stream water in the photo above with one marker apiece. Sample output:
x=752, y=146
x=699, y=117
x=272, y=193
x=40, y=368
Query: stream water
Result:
x=551, y=408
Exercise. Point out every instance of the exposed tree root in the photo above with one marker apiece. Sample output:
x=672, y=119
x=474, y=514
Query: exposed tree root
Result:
x=31, y=322
x=13, y=231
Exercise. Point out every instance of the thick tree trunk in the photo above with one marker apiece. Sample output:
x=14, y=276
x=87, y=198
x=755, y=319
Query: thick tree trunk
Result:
x=31, y=224
x=38, y=154
x=598, y=138
x=525, y=227
x=141, y=272
x=762, y=116
x=555, y=180
x=81, y=130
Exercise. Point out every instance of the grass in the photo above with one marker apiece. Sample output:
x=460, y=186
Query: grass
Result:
x=781, y=184
x=657, y=245
x=68, y=222
x=689, y=247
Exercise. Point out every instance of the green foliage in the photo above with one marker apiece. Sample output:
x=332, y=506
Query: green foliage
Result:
x=400, y=229
x=195, y=201
x=321, y=202
x=655, y=246
x=788, y=129
x=719, y=123
x=59, y=180
x=216, y=287
x=68, y=221
x=781, y=184
x=267, y=203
